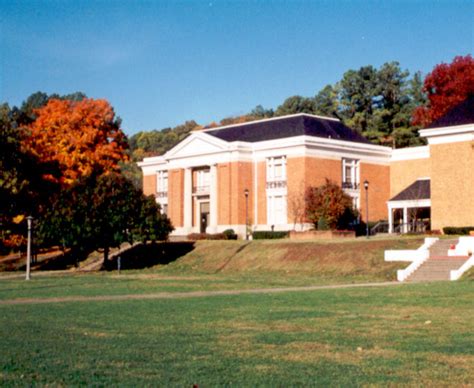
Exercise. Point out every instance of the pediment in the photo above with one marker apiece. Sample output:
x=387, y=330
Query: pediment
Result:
x=197, y=143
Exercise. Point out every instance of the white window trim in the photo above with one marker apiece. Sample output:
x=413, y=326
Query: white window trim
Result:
x=353, y=164
x=272, y=163
x=162, y=182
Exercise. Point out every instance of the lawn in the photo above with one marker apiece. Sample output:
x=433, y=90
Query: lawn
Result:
x=415, y=334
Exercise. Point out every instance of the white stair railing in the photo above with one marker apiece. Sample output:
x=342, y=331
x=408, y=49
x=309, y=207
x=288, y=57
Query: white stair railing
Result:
x=456, y=274
x=403, y=274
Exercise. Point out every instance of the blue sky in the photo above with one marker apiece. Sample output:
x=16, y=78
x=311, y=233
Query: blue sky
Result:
x=161, y=63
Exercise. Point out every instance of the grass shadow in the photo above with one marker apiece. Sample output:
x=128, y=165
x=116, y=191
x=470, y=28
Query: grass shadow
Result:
x=61, y=261
x=146, y=256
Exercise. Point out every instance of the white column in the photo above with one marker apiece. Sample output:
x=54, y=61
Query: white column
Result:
x=405, y=220
x=213, y=200
x=390, y=219
x=188, y=197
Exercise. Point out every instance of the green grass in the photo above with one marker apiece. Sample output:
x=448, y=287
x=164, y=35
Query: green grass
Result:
x=214, y=265
x=419, y=334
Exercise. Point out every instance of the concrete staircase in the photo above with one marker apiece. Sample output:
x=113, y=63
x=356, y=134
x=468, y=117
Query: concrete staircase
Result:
x=439, y=264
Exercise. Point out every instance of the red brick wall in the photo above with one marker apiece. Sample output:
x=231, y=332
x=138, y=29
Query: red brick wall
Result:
x=176, y=196
x=379, y=190
x=149, y=184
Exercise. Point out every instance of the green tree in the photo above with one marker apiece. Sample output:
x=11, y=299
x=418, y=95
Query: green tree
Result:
x=356, y=95
x=101, y=212
x=259, y=112
x=296, y=104
x=326, y=102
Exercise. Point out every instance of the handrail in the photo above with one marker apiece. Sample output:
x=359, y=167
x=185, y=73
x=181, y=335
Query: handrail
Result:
x=411, y=254
x=350, y=185
x=418, y=226
x=455, y=274
x=403, y=274
x=377, y=226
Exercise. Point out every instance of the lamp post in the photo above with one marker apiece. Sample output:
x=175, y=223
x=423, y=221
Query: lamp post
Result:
x=246, y=192
x=29, y=220
x=366, y=187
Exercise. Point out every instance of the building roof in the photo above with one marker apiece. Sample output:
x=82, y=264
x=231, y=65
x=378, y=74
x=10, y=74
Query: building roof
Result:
x=420, y=189
x=461, y=114
x=288, y=126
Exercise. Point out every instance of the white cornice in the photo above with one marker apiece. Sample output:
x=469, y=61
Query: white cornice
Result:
x=454, y=130
x=151, y=161
x=411, y=153
x=454, y=134
x=220, y=151
x=409, y=203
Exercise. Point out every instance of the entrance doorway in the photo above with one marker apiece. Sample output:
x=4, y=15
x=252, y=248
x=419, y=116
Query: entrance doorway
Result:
x=204, y=216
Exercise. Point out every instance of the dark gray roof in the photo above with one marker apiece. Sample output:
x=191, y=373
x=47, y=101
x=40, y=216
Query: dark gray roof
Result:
x=461, y=114
x=288, y=126
x=420, y=189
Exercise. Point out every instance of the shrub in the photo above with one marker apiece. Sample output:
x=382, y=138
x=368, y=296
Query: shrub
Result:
x=322, y=224
x=330, y=202
x=230, y=234
x=458, y=230
x=207, y=236
x=269, y=235
x=361, y=227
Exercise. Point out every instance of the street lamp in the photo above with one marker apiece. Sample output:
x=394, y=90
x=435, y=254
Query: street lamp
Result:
x=366, y=187
x=29, y=220
x=246, y=192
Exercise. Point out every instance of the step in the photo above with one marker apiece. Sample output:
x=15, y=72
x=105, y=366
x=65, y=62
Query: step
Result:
x=441, y=247
x=437, y=268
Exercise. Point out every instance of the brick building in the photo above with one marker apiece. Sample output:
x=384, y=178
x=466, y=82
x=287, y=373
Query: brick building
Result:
x=446, y=165
x=218, y=178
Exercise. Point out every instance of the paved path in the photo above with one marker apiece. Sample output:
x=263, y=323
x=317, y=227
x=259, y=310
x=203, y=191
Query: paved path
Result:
x=190, y=294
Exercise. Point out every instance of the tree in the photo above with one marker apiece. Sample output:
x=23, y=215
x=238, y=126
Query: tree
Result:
x=297, y=206
x=327, y=204
x=295, y=104
x=80, y=136
x=100, y=212
x=357, y=90
x=446, y=86
x=22, y=192
x=39, y=99
x=326, y=102
x=259, y=112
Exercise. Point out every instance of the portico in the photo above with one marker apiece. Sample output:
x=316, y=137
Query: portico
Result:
x=409, y=210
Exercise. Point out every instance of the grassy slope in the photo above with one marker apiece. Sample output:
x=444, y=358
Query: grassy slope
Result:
x=417, y=335
x=355, y=258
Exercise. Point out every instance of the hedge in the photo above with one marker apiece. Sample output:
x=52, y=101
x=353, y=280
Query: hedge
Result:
x=268, y=235
x=458, y=230
x=206, y=236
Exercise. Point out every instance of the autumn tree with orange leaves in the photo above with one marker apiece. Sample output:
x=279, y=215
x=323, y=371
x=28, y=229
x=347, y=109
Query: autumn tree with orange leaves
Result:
x=446, y=86
x=81, y=137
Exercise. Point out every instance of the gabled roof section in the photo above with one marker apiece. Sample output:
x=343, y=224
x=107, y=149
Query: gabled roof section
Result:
x=287, y=126
x=420, y=189
x=197, y=143
x=461, y=114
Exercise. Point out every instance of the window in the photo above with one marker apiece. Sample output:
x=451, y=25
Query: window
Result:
x=276, y=169
x=164, y=209
x=350, y=174
x=203, y=181
x=162, y=183
x=276, y=210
